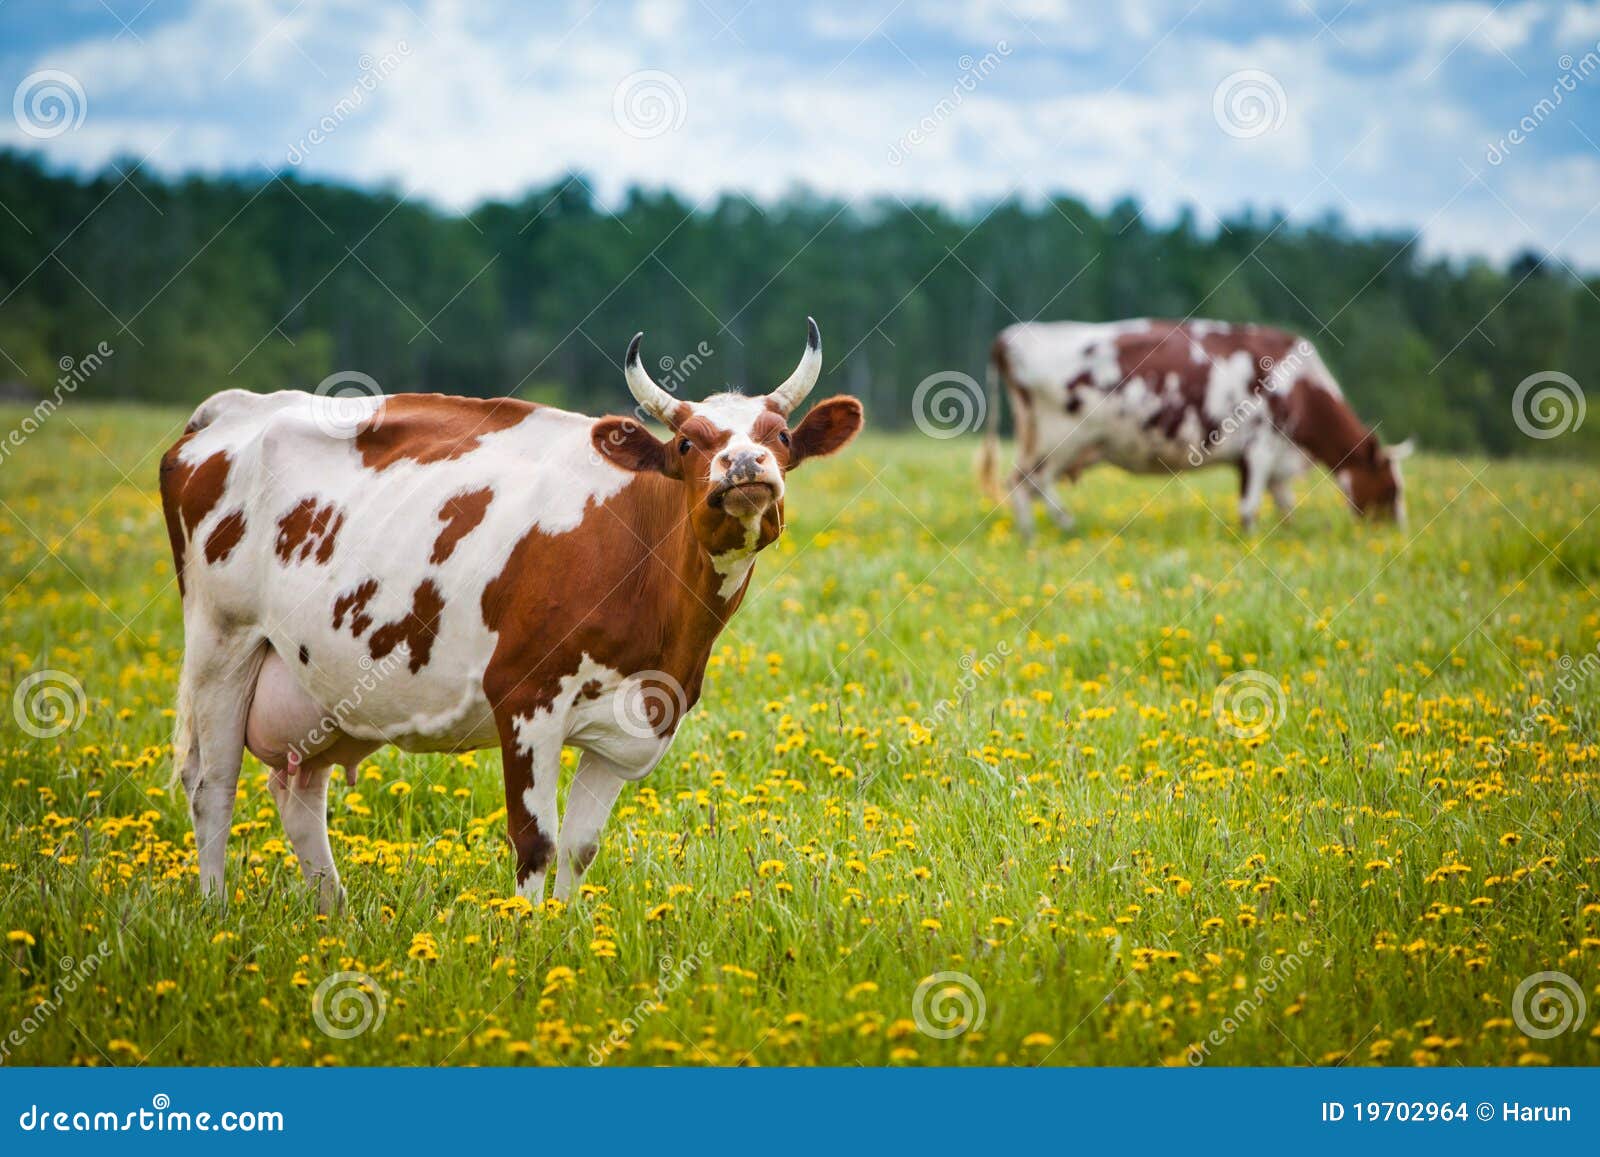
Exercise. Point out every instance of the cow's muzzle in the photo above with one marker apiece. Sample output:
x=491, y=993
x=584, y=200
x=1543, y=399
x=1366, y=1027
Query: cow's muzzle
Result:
x=749, y=484
x=744, y=498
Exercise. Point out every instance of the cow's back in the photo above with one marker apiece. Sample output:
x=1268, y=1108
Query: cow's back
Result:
x=1153, y=394
x=357, y=536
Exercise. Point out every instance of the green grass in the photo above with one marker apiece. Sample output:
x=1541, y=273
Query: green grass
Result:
x=923, y=749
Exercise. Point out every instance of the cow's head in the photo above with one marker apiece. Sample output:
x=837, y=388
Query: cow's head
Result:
x=731, y=451
x=1370, y=478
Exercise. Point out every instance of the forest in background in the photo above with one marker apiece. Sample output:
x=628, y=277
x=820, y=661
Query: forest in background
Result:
x=203, y=283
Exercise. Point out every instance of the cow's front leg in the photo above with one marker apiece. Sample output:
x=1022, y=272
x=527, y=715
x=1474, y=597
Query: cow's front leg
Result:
x=530, y=747
x=1254, y=469
x=593, y=793
x=1283, y=495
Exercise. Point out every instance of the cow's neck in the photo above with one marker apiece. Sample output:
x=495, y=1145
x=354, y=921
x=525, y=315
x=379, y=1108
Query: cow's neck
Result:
x=1324, y=426
x=697, y=591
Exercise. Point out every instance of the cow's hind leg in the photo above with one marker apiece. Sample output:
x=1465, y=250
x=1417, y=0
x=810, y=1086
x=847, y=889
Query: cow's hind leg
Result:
x=303, y=806
x=590, y=799
x=1020, y=491
x=219, y=673
x=1044, y=485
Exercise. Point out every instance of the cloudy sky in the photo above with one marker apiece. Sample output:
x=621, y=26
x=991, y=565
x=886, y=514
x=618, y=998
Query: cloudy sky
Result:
x=1393, y=115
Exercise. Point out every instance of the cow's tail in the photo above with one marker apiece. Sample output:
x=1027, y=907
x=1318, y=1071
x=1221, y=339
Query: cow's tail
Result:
x=182, y=729
x=989, y=452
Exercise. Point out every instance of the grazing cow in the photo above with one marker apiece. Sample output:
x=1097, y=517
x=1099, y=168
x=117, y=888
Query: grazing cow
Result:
x=1161, y=396
x=446, y=574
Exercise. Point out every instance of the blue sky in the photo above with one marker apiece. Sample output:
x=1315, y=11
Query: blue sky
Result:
x=1393, y=115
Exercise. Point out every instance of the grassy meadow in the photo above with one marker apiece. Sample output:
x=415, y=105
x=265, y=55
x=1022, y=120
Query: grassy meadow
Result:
x=946, y=800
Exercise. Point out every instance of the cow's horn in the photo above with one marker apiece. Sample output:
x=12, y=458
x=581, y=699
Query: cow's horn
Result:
x=654, y=400
x=789, y=395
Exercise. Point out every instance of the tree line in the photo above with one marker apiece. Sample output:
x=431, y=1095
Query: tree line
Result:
x=201, y=283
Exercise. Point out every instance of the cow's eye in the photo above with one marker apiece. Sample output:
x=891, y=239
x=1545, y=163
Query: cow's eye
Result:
x=684, y=445
x=783, y=436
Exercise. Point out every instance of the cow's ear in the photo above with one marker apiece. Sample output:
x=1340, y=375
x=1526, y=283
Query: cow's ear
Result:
x=624, y=442
x=827, y=428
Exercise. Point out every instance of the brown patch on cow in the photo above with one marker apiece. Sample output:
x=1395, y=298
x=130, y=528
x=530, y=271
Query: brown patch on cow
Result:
x=354, y=603
x=1164, y=357
x=583, y=856
x=591, y=689
x=305, y=655
x=705, y=436
x=1084, y=381
x=426, y=428
x=308, y=531
x=225, y=536
x=652, y=605
x=188, y=494
x=460, y=515
x=416, y=629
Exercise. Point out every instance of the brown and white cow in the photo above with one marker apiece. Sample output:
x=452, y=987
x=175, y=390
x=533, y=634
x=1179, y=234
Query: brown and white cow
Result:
x=1163, y=396
x=446, y=574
